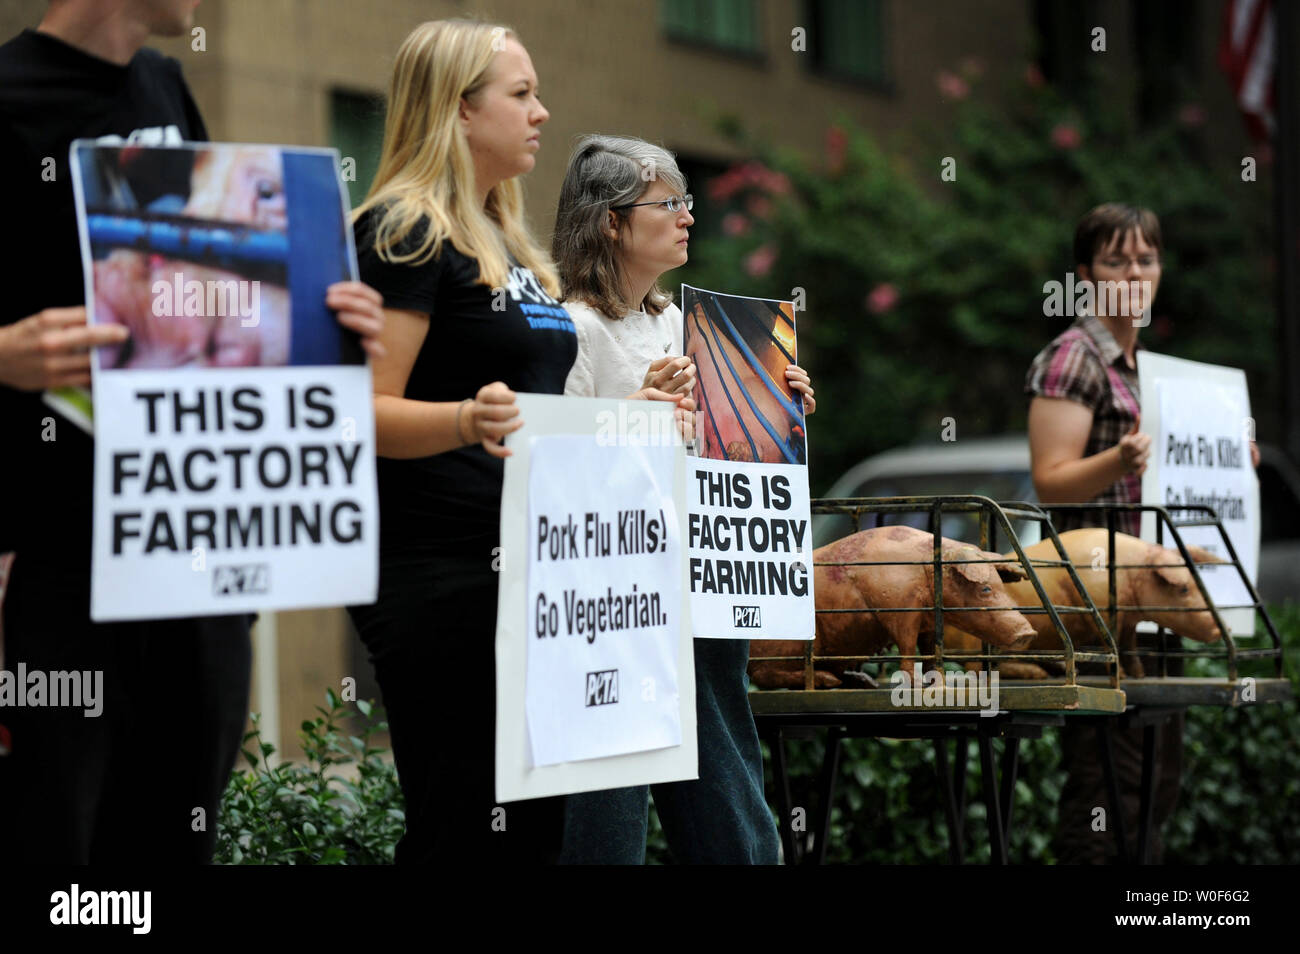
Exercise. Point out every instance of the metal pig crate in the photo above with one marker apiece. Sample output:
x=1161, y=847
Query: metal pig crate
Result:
x=1066, y=694
x=1168, y=686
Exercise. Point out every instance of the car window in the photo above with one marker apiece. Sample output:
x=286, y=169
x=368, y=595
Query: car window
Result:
x=998, y=485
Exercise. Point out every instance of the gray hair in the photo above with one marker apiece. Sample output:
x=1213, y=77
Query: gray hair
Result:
x=605, y=172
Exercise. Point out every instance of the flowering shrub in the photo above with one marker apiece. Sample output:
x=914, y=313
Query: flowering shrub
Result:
x=925, y=293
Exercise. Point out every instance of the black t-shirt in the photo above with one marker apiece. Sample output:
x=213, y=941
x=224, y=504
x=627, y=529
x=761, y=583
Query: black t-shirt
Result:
x=50, y=94
x=450, y=504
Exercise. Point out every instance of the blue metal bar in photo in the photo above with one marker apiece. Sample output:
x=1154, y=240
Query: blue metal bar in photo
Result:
x=726, y=392
x=769, y=333
x=752, y=360
x=782, y=443
x=196, y=241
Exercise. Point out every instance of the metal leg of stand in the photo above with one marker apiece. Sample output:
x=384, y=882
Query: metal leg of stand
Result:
x=959, y=782
x=1107, y=753
x=826, y=789
x=1010, y=766
x=988, y=773
x=951, y=817
x=1148, y=793
x=781, y=784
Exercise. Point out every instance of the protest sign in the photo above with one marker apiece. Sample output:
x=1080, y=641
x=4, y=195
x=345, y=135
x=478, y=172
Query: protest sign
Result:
x=1198, y=416
x=595, y=669
x=234, y=433
x=749, y=545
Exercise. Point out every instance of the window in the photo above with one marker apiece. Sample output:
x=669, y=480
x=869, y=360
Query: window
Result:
x=847, y=40
x=730, y=25
x=357, y=132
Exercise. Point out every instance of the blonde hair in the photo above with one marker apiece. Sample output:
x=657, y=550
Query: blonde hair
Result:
x=426, y=172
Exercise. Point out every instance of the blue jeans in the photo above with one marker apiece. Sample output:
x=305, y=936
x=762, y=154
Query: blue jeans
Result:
x=719, y=818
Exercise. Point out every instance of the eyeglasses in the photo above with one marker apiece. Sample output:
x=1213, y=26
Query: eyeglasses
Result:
x=1115, y=262
x=672, y=203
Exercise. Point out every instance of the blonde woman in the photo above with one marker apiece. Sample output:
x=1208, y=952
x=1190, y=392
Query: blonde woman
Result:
x=617, y=231
x=470, y=298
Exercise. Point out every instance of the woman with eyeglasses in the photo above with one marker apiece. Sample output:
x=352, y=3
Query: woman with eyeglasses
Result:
x=623, y=222
x=442, y=236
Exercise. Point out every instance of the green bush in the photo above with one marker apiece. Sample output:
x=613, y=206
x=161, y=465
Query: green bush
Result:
x=343, y=806
x=1239, y=802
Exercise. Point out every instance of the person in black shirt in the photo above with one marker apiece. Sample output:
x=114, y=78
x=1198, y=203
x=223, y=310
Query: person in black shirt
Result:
x=469, y=298
x=130, y=782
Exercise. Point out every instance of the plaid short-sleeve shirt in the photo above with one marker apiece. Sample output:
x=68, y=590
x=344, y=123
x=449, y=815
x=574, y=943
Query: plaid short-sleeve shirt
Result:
x=1086, y=365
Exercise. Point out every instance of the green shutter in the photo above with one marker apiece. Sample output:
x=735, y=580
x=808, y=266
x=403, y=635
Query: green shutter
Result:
x=851, y=39
x=729, y=24
x=357, y=132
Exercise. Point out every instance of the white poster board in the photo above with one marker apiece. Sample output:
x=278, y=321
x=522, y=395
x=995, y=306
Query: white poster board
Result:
x=595, y=664
x=749, y=536
x=234, y=431
x=1198, y=416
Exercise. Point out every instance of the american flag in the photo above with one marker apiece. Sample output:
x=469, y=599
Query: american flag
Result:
x=1246, y=54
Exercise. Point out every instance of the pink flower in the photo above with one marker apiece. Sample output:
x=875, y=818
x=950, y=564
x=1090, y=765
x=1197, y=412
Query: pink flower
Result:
x=1034, y=76
x=733, y=224
x=752, y=173
x=723, y=187
x=882, y=298
x=777, y=183
x=760, y=206
x=760, y=261
x=1192, y=115
x=1065, y=136
x=837, y=143
x=952, y=86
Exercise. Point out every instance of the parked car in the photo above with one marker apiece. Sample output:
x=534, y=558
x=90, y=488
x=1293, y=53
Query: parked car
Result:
x=998, y=467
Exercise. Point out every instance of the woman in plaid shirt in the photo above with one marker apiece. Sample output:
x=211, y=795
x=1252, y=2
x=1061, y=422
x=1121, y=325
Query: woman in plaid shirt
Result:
x=1084, y=446
x=1084, y=401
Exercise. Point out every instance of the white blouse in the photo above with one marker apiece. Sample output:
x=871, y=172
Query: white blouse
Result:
x=614, y=354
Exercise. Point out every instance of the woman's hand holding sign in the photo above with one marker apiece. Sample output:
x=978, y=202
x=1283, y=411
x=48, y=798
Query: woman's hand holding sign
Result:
x=488, y=418
x=673, y=375
x=51, y=349
x=799, y=381
x=360, y=308
x=672, y=379
x=1135, y=449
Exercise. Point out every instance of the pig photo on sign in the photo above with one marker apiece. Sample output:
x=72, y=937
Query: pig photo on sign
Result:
x=1162, y=580
x=192, y=249
x=863, y=589
x=741, y=348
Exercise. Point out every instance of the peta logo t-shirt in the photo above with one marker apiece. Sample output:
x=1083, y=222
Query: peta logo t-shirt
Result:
x=518, y=333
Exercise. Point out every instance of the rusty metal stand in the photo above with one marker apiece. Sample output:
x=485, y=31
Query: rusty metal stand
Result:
x=998, y=785
x=1149, y=719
